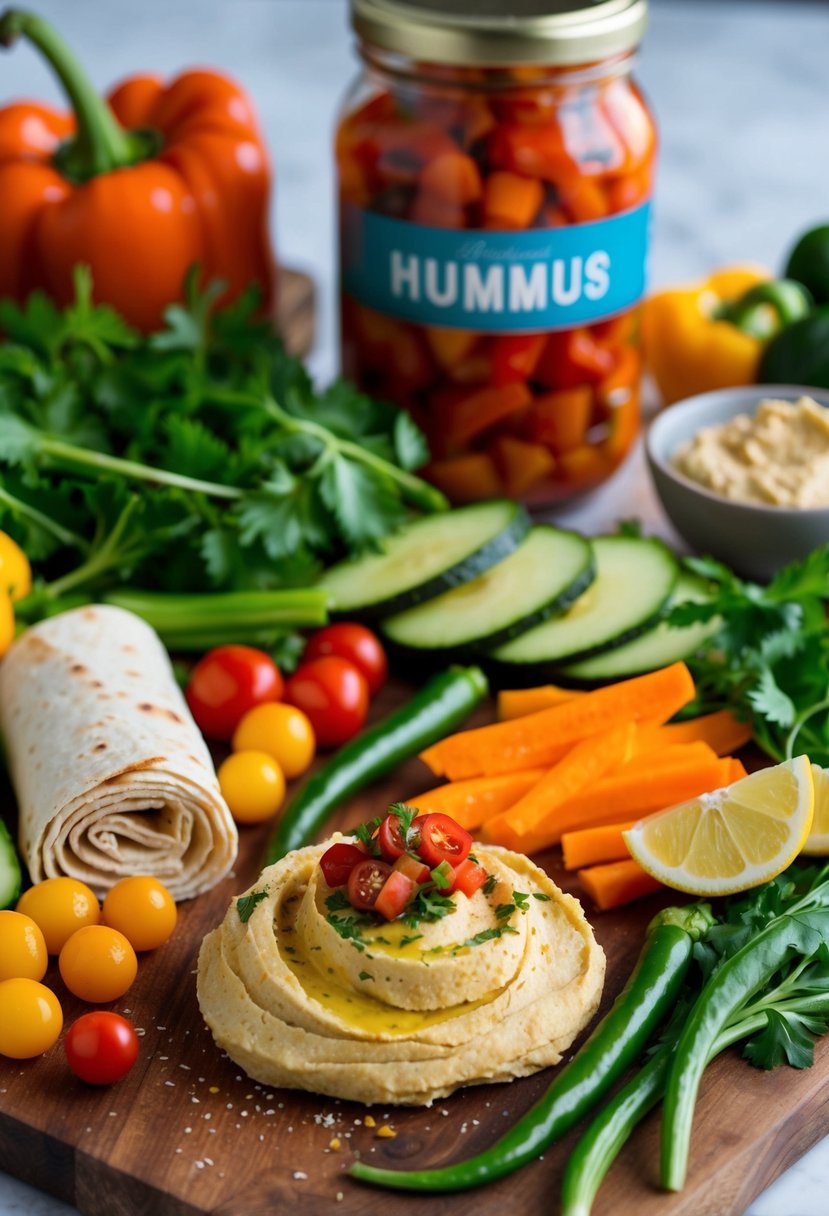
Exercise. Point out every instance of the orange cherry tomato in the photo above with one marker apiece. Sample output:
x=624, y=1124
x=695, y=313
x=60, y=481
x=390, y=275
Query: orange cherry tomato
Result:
x=142, y=909
x=60, y=906
x=252, y=785
x=22, y=948
x=282, y=731
x=98, y=964
x=30, y=1018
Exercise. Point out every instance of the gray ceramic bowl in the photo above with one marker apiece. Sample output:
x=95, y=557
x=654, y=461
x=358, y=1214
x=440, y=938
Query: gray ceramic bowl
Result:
x=754, y=540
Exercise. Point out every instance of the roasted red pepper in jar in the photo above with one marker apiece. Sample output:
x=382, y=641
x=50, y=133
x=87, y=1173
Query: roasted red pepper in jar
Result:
x=494, y=221
x=139, y=187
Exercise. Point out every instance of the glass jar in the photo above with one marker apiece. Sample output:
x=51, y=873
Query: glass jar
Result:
x=495, y=164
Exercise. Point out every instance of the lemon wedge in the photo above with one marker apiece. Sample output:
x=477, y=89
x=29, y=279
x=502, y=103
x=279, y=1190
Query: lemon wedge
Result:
x=733, y=838
x=817, y=842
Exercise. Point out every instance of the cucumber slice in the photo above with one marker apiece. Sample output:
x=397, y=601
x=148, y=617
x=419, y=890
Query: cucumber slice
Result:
x=548, y=570
x=656, y=648
x=634, y=579
x=9, y=869
x=421, y=561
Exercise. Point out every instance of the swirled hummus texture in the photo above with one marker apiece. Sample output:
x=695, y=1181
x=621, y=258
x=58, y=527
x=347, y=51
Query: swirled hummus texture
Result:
x=777, y=457
x=399, y=1014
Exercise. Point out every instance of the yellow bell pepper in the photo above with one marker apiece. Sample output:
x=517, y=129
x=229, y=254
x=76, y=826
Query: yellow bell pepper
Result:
x=688, y=349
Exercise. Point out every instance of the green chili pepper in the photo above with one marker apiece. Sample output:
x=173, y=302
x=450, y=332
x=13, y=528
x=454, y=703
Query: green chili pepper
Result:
x=808, y=262
x=617, y=1041
x=441, y=705
x=729, y=988
x=598, y=1148
x=799, y=354
x=767, y=308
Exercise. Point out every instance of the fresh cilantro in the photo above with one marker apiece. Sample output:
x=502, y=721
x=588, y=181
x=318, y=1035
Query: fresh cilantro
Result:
x=245, y=904
x=366, y=834
x=503, y=911
x=490, y=884
x=348, y=929
x=787, y=1039
x=408, y=938
x=429, y=905
x=337, y=901
x=442, y=875
x=768, y=658
x=364, y=975
x=541, y=896
x=486, y=935
x=246, y=477
x=522, y=900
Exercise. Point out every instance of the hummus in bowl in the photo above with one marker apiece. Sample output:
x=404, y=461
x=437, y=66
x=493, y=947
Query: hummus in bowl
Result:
x=303, y=994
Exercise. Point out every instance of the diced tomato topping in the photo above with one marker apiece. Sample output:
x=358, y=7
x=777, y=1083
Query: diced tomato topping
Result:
x=468, y=877
x=390, y=838
x=413, y=868
x=395, y=895
x=365, y=882
x=338, y=861
x=442, y=839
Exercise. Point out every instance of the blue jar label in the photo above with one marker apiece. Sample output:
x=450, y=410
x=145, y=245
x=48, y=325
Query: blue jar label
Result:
x=495, y=282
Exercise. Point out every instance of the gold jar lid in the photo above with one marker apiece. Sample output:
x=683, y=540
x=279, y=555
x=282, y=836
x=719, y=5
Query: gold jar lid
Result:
x=493, y=33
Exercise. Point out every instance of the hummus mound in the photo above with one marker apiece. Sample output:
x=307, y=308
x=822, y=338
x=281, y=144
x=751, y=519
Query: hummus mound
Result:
x=398, y=1014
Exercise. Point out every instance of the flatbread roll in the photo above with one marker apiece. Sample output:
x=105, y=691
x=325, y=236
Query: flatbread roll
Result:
x=111, y=773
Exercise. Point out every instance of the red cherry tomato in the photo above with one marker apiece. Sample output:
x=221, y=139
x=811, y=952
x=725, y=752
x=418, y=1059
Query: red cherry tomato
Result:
x=395, y=895
x=226, y=683
x=390, y=838
x=442, y=839
x=355, y=643
x=338, y=861
x=468, y=877
x=101, y=1047
x=365, y=882
x=333, y=695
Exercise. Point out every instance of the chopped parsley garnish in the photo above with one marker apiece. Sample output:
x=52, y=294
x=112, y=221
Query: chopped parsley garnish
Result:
x=408, y=938
x=540, y=895
x=490, y=884
x=522, y=900
x=486, y=935
x=442, y=875
x=503, y=911
x=245, y=904
x=428, y=904
x=366, y=833
x=364, y=975
x=348, y=929
x=337, y=901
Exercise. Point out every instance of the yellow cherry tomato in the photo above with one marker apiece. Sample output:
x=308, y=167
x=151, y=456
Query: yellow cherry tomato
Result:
x=30, y=1018
x=142, y=909
x=98, y=964
x=6, y=622
x=15, y=571
x=22, y=948
x=252, y=785
x=282, y=732
x=60, y=906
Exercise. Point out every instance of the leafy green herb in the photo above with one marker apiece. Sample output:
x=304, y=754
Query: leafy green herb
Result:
x=408, y=938
x=197, y=459
x=366, y=834
x=768, y=659
x=541, y=896
x=442, y=875
x=364, y=975
x=338, y=901
x=522, y=900
x=245, y=904
x=429, y=905
x=490, y=884
x=503, y=911
x=348, y=928
x=485, y=935
x=406, y=815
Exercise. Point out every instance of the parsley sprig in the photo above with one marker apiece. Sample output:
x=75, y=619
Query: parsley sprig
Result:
x=769, y=656
x=197, y=458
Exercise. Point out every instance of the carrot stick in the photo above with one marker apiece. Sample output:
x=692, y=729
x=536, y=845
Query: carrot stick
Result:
x=543, y=737
x=584, y=765
x=587, y=846
x=617, y=883
x=738, y=770
x=645, y=757
x=518, y=702
x=472, y=802
x=720, y=730
x=616, y=799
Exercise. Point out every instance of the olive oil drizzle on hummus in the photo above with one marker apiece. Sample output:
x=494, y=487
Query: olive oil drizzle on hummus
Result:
x=358, y=1008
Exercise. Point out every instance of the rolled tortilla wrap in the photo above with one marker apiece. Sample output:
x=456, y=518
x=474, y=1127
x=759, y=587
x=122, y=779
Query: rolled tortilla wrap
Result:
x=111, y=773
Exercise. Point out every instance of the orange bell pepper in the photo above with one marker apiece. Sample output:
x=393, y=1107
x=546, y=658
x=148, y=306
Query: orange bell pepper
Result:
x=138, y=188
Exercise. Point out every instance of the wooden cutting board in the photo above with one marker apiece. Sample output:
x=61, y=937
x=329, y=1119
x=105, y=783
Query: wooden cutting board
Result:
x=186, y=1133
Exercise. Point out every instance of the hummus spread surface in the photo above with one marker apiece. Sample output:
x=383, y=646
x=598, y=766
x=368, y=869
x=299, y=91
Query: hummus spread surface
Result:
x=394, y=1013
x=779, y=456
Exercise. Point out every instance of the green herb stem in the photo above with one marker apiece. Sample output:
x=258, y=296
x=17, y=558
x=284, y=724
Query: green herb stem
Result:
x=102, y=462
x=64, y=535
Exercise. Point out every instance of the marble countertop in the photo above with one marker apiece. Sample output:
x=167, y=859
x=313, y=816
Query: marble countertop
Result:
x=739, y=88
